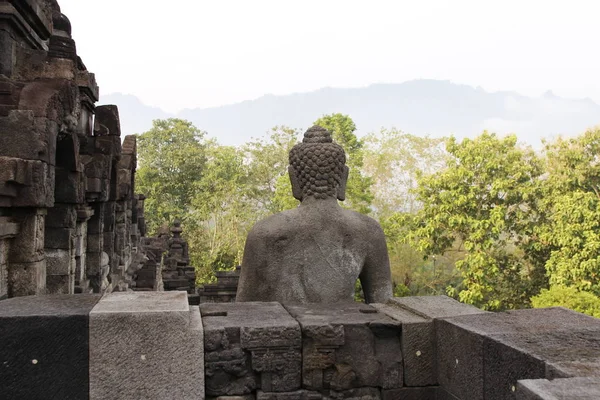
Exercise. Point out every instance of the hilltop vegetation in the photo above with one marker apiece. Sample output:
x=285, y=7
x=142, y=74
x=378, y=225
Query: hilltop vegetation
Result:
x=486, y=220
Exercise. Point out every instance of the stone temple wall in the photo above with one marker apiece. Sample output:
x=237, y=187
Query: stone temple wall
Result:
x=68, y=214
x=154, y=345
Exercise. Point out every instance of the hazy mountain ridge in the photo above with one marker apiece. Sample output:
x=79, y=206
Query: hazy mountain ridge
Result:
x=419, y=107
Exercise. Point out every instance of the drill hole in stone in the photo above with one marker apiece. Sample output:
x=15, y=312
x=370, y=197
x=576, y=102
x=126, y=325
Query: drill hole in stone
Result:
x=214, y=314
x=368, y=311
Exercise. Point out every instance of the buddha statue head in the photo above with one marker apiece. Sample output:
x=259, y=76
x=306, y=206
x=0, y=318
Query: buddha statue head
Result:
x=318, y=167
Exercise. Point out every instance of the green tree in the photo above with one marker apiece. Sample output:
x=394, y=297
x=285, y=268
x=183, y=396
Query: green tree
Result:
x=482, y=203
x=569, y=297
x=268, y=180
x=171, y=160
x=394, y=160
x=358, y=188
x=572, y=204
x=221, y=212
x=412, y=273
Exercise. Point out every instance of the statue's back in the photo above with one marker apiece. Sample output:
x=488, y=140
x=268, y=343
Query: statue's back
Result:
x=316, y=252
x=310, y=255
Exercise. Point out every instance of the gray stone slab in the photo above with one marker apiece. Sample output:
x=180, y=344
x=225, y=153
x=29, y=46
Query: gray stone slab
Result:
x=408, y=393
x=418, y=332
x=134, y=302
x=559, y=389
x=249, y=346
x=459, y=360
x=489, y=353
x=60, y=284
x=524, y=321
x=146, y=345
x=347, y=346
x=61, y=216
x=297, y=395
x=245, y=397
x=564, y=353
x=364, y=393
x=504, y=365
x=418, y=345
x=442, y=394
x=434, y=306
x=26, y=279
x=44, y=351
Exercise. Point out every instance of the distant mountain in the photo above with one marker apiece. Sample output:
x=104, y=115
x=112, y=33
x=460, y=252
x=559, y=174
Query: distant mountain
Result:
x=420, y=107
x=135, y=116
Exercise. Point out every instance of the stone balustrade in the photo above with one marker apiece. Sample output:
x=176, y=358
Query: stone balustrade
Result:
x=153, y=345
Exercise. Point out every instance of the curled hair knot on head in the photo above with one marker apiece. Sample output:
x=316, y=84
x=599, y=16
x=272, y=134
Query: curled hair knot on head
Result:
x=318, y=164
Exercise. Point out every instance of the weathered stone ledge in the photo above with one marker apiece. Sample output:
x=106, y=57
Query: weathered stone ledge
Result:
x=153, y=345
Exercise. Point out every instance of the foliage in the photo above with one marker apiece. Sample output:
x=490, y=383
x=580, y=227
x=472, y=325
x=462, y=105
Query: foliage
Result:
x=394, y=160
x=569, y=297
x=267, y=158
x=481, y=203
x=401, y=290
x=171, y=159
x=359, y=295
x=221, y=213
x=572, y=202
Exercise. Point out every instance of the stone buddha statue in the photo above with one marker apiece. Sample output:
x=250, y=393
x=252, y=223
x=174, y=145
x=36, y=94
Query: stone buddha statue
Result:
x=315, y=252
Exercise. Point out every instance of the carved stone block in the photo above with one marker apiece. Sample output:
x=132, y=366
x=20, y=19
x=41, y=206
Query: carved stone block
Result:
x=60, y=262
x=97, y=165
x=297, y=395
x=250, y=346
x=348, y=346
x=95, y=243
x=107, y=121
x=488, y=353
x=433, y=307
x=26, y=183
x=418, y=345
x=146, y=345
x=62, y=216
x=45, y=347
x=4, y=243
x=59, y=238
x=363, y=393
x=24, y=136
x=72, y=186
x=572, y=388
x=60, y=284
x=28, y=246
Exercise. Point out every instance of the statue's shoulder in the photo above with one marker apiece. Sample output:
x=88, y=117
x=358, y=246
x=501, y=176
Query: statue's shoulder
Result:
x=275, y=223
x=362, y=222
x=359, y=218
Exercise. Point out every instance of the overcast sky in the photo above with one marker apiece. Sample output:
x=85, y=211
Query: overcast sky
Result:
x=201, y=53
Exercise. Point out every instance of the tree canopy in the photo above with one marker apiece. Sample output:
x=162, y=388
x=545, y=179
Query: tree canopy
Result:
x=484, y=219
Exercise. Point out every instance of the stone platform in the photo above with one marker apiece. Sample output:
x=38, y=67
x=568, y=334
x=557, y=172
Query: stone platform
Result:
x=118, y=346
x=153, y=345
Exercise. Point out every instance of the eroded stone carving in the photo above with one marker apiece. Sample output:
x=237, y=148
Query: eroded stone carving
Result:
x=250, y=346
x=316, y=252
x=64, y=178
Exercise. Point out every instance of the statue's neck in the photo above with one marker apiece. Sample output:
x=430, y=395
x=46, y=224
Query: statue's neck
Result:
x=310, y=201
